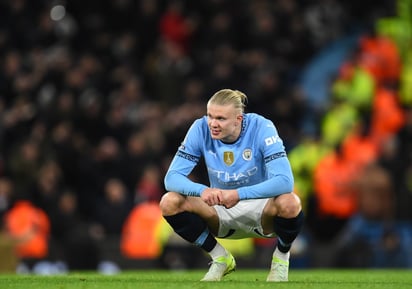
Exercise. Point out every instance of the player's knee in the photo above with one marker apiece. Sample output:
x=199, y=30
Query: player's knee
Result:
x=288, y=205
x=170, y=203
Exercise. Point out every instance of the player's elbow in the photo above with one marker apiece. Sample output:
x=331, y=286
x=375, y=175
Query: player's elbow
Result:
x=290, y=186
x=288, y=183
x=170, y=181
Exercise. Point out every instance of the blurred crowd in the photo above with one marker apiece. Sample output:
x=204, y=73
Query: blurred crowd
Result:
x=95, y=97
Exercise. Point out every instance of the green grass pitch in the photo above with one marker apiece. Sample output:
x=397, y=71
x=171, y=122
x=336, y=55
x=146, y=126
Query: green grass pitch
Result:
x=241, y=279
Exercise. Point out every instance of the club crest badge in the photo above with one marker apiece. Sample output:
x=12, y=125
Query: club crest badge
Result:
x=228, y=158
x=247, y=154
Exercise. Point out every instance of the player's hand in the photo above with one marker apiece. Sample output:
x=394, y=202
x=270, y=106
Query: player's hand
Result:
x=229, y=198
x=212, y=196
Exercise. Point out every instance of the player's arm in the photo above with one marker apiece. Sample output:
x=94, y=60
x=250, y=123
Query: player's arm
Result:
x=183, y=163
x=280, y=181
x=176, y=179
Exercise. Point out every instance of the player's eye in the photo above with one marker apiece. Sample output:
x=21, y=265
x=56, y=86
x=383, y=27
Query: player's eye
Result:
x=220, y=118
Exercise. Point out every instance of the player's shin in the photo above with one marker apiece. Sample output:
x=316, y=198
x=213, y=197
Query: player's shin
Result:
x=287, y=230
x=193, y=229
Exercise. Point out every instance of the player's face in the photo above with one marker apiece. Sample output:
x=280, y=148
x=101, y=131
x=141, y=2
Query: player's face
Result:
x=224, y=121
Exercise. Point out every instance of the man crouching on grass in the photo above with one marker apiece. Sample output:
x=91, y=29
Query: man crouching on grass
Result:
x=250, y=192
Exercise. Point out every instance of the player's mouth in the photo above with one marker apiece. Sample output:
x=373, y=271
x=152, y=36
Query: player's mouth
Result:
x=215, y=132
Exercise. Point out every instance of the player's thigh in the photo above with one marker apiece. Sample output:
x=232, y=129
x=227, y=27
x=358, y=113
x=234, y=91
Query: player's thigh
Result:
x=285, y=205
x=198, y=206
x=173, y=203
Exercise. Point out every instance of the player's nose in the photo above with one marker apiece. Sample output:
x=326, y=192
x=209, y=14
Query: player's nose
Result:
x=216, y=123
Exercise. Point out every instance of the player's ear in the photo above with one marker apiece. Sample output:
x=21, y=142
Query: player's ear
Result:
x=239, y=118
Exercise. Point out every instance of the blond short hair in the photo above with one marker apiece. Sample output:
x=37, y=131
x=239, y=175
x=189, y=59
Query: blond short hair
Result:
x=228, y=96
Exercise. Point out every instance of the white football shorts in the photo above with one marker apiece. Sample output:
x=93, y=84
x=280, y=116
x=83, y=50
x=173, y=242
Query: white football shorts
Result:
x=242, y=220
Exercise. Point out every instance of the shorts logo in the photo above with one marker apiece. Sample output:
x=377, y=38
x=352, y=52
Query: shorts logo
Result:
x=247, y=154
x=228, y=158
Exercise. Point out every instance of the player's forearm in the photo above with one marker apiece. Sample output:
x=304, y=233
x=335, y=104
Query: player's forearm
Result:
x=179, y=183
x=280, y=182
x=278, y=185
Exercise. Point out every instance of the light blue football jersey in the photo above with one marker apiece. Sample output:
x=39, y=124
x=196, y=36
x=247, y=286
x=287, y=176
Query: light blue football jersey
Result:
x=255, y=164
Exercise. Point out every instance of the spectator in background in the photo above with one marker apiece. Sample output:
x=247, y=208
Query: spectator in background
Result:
x=175, y=27
x=136, y=158
x=166, y=70
x=29, y=227
x=325, y=20
x=145, y=24
x=180, y=116
x=24, y=165
x=396, y=158
x=48, y=187
x=107, y=164
x=144, y=232
x=150, y=186
x=113, y=207
x=372, y=237
x=112, y=210
x=74, y=238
